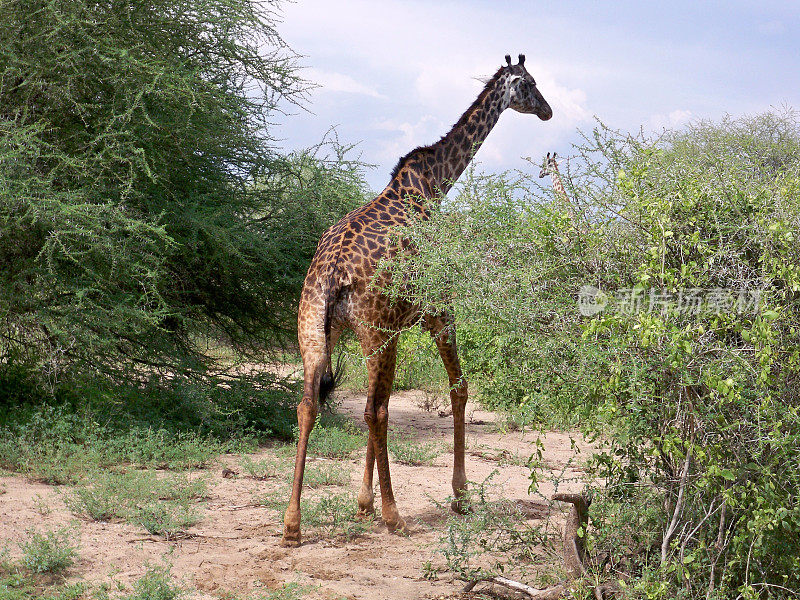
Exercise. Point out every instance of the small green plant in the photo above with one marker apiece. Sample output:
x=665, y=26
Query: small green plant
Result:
x=155, y=584
x=334, y=440
x=490, y=538
x=164, y=518
x=431, y=399
x=276, y=499
x=408, y=451
x=48, y=552
x=429, y=572
x=41, y=505
x=326, y=474
x=288, y=591
x=162, y=505
x=330, y=515
x=268, y=467
x=334, y=515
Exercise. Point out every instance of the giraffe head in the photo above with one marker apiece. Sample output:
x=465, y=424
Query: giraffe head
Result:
x=549, y=166
x=524, y=96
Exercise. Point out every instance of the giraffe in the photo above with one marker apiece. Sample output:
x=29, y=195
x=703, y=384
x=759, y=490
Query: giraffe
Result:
x=550, y=167
x=342, y=290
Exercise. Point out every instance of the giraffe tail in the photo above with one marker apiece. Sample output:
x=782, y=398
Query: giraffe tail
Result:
x=333, y=375
x=331, y=379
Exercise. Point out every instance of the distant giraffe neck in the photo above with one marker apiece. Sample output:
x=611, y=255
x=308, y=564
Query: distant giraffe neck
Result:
x=555, y=177
x=558, y=186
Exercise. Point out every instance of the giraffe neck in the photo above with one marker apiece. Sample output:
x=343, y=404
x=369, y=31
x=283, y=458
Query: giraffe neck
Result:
x=434, y=169
x=558, y=186
x=555, y=176
x=456, y=149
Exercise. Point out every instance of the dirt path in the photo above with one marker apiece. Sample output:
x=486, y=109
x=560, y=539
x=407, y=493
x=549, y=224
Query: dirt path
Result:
x=235, y=547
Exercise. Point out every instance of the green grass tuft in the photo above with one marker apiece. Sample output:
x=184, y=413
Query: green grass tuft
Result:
x=161, y=505
x=335, y=441
x=48, y=552
x=326, y=474
x=408, y=451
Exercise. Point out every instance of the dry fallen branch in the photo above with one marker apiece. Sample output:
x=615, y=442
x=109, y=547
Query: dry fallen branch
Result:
x=553, y=592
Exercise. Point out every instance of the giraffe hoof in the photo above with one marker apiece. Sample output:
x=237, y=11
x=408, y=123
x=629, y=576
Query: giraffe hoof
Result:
x=460, y=507
x=398, y=526
x=365, y=514
x=288, y=542
x=291, y=537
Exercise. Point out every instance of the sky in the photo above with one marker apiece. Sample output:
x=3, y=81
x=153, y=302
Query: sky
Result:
x=393, y=75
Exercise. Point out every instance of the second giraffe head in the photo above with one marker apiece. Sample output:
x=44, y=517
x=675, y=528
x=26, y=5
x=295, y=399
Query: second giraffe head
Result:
x=524, y=95
x=549, y=165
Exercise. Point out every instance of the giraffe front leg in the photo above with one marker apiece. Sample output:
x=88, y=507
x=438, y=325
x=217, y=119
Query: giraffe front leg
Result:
x=366, y=496
x=381, y=361
x=443, y=332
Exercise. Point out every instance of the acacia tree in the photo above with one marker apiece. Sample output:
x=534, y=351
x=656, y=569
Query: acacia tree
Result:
x=143, y=206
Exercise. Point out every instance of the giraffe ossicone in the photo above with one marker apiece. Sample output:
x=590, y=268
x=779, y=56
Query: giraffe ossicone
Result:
x=343, y=290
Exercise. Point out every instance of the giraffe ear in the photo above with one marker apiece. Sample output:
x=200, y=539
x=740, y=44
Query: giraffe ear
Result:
x=508, y=59
x=521, y=59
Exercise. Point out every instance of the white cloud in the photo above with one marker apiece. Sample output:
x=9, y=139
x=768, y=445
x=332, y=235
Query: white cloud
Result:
x=404, y=136
x=338, y=82
x=672, y=120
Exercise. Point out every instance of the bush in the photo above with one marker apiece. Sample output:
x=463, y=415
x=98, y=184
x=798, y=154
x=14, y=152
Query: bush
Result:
x=687, y=363
x=149, y=228
x=181, y=426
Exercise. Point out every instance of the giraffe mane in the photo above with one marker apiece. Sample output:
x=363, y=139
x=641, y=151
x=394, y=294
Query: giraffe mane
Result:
x=461, y=121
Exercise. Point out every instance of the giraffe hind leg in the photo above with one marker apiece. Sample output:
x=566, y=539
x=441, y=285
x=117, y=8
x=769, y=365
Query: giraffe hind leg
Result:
x=306, y=416
x=316, y=364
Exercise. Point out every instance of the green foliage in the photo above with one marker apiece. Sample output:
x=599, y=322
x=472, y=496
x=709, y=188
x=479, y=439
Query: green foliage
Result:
x=94, y=424
x=489, y=254
x=326, y=474
x=698, y=408
x=288, y=591
x=329, y=515
x=48, y=552
x=155, y=584
x=491, y=538
x=271, y=466
x=334, y=516
x=419, y=366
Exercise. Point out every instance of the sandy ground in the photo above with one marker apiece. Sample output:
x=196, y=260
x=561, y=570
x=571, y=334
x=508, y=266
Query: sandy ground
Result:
x=235, y=548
